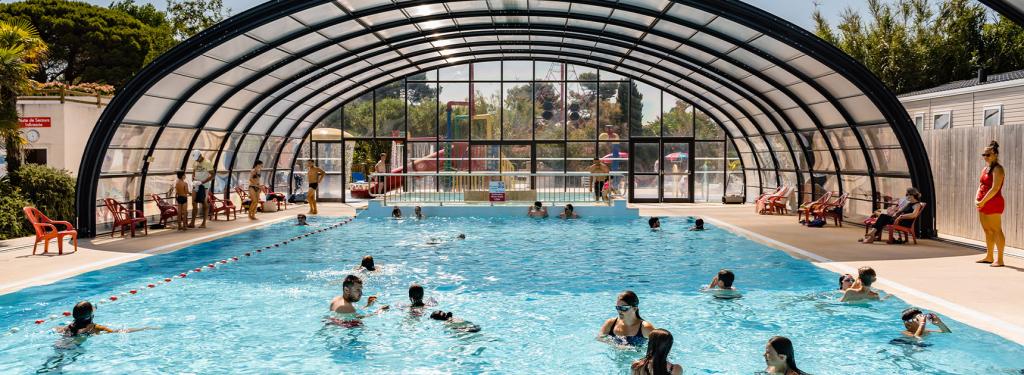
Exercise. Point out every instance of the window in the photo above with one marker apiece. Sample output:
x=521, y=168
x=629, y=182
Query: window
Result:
x=993, y=115
x=35, y=156
x=919, y=121
x=942, y=120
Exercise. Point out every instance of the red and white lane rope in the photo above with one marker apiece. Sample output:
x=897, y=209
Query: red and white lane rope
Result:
x=207, y=267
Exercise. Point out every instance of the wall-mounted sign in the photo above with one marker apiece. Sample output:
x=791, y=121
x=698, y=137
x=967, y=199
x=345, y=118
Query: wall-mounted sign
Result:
x=496, y=191
x=34, y=122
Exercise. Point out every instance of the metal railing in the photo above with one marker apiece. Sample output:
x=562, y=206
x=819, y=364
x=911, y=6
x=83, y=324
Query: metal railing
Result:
x=464, y=187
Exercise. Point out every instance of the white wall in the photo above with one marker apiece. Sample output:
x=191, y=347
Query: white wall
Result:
x=71, y=125
x=967, y=106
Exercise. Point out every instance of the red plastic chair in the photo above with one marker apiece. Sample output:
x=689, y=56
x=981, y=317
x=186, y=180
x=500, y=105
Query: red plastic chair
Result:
x=216, y=206
x=909, y=230
x=762, y=200
x=803, y=213
x=833, y=210
x=167, y=210
x=281, y=198
x=243, y=195
x=46, y=231
x=123, y=217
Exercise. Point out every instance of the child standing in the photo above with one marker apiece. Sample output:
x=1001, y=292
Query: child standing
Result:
x=181, y=192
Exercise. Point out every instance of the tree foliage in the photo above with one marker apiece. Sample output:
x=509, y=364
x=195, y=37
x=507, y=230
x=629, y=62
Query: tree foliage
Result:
x=89, y=43
x=162, y=33
x=50, y=190
x=189, y=17
x=21, y=48
x=912, y=44
x=12, y=219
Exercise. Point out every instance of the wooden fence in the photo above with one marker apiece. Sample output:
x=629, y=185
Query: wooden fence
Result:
x=955, y=156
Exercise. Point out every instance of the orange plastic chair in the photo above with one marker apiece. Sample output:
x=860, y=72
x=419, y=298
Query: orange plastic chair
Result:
x=124, y=218
x=46, y=231
x=216, y=206
x=803, y=213
x=833, y=210
x=904, y=231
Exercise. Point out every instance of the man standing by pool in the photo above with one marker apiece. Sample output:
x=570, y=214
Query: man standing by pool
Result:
x=599, y=173
x=202, y=175
x=381, y=167
x=315, y=175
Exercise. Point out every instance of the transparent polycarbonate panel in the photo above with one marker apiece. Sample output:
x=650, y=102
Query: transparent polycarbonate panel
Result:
x=148, y=110
x=118, y=161
x=580, y=155
x=758, y=142
x=827, y=114
x=190, y=114
x=123, y=189
x=429, y=75
x=852, y=160
x=454, y=73
x=390, y=110
x=166, y=160
x=133, y=136
x=453, y=111
x=517, y=70
x=422, y=156
x=549, y=111
x=575, y=72
x=358, y=116
x=889, y=160
x=453, y=157
x=748, y=160
x=789, y=179
x=287, y=157
x=175, y=138
x=769, y=178
x=422, y=110
x=706, y=127
x=172, y=86
x=270, y=151
x=766, y=160
x=842, y=138
x=517, y=110
x=581, y=110
x=486, y=122
x=892, y=189
x=280, y=182
x=246, y=155
x=486, y=158
x=613, y=107
x=784, y=159
x=862, y=110
x=798, y=150
x=487, y=71
x=548, y=71
x=859, y=186
x=676, y=117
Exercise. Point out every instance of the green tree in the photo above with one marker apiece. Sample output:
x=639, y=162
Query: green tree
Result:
x=163, y=36
x=1003, y=45
x=87, y=43
x=20, y=50
x=189, y=17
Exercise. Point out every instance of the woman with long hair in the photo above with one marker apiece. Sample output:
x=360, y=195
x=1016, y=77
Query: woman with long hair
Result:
x=778, y=356
x=990, y=205
x=255, y=187
x=656, y=361
x=628, y=328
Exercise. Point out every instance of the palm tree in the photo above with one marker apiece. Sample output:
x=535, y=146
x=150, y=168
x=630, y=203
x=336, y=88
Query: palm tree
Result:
x=20, y=50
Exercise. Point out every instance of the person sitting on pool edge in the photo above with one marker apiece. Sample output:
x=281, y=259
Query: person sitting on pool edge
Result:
x=861, y=289
x=845, y=281
x=419, y=213
x=628, y=328
x=453, y=323
x=915, y=321
x=301, y=220
x=698, y=225
x=569, y=212
x=352, y=292
x=396, y=213
x=654, y=223
x=779, y=357
x=658, y=347
x=721, y=285
x=537, y=210
x=83, y=324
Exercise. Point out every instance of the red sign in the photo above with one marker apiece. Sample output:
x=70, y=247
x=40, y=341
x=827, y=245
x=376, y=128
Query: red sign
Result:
x=34, y=122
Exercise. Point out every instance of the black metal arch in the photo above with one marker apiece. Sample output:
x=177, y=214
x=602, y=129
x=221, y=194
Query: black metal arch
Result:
x=751, y=19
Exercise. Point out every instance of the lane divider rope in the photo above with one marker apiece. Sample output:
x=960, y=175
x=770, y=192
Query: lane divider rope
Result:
x=210, y=267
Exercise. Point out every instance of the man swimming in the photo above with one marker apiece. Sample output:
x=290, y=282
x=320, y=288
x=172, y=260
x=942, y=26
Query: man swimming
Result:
x=916, y=323
x=83, y=324
x=453, y=323
x=698, y=225
x=352, y=292
x=861, y=289
x=301, y=220
x=654, y=223
x=721, y=285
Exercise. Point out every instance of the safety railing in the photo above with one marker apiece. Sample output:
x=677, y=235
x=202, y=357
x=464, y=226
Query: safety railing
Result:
x=493, y=187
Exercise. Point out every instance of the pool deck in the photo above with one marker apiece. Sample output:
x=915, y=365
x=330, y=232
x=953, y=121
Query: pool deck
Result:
x=931, y=274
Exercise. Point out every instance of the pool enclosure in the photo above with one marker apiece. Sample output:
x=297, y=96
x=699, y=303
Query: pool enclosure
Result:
x=687, y=100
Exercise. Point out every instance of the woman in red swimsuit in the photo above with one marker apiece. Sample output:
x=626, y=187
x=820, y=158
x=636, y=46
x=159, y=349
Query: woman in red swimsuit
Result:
x=990, y=205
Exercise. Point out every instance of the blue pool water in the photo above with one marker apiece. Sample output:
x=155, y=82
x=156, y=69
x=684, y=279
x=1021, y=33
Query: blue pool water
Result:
x=539, y=288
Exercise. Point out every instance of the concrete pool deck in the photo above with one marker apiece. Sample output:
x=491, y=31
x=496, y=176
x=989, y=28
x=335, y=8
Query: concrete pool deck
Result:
x=934, y=275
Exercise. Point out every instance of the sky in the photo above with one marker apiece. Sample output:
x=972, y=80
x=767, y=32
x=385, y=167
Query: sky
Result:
x=795, y=11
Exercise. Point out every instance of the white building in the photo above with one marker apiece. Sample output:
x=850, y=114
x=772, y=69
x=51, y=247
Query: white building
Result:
x=57, y=128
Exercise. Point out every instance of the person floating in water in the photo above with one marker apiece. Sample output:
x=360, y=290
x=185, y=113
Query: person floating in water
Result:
x=628, y=328
x=301, y=220
x=396, y=213
x=721, y=285
x=345, y=304
x=861, y=289
x=654, y=223
x=83, y=324
x=658, y=347
x=569, y=212
x=916, y=323
x=453, y=323
x=698, y=225
x=537, y=210
x=419, y=213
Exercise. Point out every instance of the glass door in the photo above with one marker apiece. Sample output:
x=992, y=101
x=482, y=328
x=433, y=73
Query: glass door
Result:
x=676, y=163
x=661, y=171
x=645, y=171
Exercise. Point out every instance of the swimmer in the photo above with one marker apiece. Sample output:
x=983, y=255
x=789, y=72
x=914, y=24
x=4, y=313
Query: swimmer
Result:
x=396, y=213
x=433, y=241
x=453, y=323
x=916, y=323
x=654, y=223
x=779, y=357
x=83, y=325
x=416, y=303
x=419, y=213
x=569, y=212
x=301, y=220
x=845, y=281
x=861, y=289
x=657, y=356
x=698, y=225
x=367, y=264
x=352, y=292
x=628, y=328
x=461, y=236
x=537, y=210
x=721, y=285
